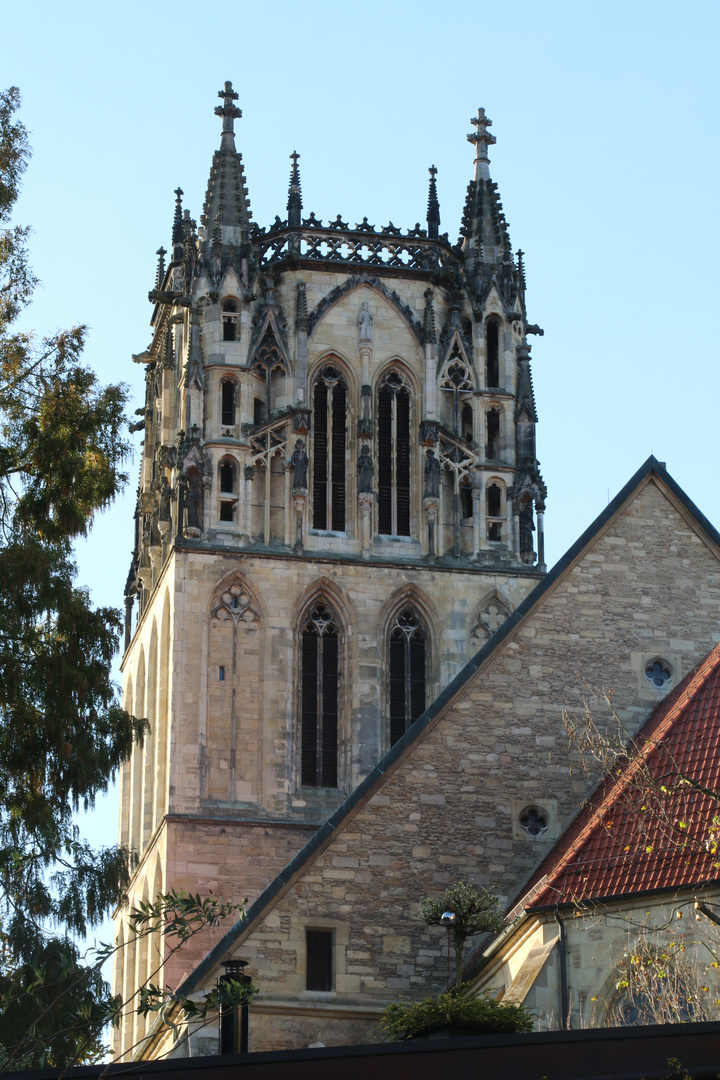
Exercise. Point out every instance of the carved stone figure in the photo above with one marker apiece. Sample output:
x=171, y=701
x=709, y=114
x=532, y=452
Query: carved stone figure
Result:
x=527, y=528
x=193, y=503
x=299, y=462
x=365, y=469
x=164, y=499
x=432, y=476
x=365, y=322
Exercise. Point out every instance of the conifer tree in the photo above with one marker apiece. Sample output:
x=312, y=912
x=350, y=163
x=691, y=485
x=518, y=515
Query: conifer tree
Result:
x=62, y=732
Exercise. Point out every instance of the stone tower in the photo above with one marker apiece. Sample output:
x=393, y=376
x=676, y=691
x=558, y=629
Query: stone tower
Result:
x=339, y=501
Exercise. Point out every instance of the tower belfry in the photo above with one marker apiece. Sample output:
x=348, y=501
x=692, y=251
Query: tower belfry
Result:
x=339, y=498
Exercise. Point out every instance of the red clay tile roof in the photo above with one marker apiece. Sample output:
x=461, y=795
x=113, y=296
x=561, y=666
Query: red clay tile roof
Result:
x=614, y=847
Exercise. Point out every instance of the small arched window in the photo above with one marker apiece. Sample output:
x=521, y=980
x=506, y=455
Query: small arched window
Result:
x=229, y=310
x=466, y=423
x=227, y=475
x=329, y=450
x=319, y=699
x=228, y=390
x=394, y=456
x=493, y=495
x=492, y=446
x=408, y=643
x=492, y=352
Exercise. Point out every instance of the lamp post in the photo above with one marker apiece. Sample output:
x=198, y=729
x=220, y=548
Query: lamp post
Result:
x=234, y=1023
x=448, y=919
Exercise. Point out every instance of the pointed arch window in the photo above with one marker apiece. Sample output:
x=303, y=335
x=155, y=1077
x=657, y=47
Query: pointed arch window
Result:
x=493, y=496
x=492, y=446
x=492, y=352
x=229, y=312
x=394, y=456
x=319, y=699
x=329, y=450
x=407, y=669
x=228, y=391
x=227, y=475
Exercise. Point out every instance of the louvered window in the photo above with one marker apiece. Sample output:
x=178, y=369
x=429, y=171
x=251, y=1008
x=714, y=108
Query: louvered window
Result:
x=394, y=457
x=319, y=699
x=329, y=451
x=408, y=644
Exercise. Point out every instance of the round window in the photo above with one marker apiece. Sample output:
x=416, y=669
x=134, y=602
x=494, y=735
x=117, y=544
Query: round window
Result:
x=658, y=673
x=534, y=821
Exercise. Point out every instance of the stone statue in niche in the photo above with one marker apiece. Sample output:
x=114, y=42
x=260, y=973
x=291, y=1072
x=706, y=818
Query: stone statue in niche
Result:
x=365, y=469
x=365, y=322
x=432, y=476
x=193, y=504
x=527, y=528
x=164, y=500
x=299, y=462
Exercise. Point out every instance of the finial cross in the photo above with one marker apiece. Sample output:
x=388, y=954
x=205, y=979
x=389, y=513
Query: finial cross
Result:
x=294, y=158
x=481, y=134
x=433, y=172
x=227, y=110
x=178, y=194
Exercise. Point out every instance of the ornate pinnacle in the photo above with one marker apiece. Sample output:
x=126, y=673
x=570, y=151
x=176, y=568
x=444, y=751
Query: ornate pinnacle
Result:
x=433, y=210
x=229, y=113
x=160, y=276
x=481, y=138
x=294, y=203
x=177, y=232
x=521, y=267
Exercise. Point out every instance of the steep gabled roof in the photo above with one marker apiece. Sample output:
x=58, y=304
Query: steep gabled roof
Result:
x=373, y=782
x=632, y=836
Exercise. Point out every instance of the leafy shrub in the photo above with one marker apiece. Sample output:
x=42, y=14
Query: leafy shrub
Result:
x=403, y=1019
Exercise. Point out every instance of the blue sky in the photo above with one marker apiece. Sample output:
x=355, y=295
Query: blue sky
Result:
x=606, y=117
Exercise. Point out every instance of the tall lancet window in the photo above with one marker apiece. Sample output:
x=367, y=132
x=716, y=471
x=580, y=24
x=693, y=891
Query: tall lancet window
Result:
x=394, y=456
x=492, y=352
x=408, y=642
x=229, y=320
x=329, y=450
x=319, y=699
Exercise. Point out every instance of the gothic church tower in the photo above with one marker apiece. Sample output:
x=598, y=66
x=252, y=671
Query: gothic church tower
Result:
x=339, y=501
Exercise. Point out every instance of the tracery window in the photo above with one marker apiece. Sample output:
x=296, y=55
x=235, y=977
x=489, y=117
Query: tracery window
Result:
x=457, y=382
x=408, y=645
x=394, y=456
x=492, y=352
x=329, y=450
x=320, y=642
x=229, y=316
x=228, y=388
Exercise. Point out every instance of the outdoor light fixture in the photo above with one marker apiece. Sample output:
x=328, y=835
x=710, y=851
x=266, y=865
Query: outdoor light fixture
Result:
x=448, y=919
x=234, y=1034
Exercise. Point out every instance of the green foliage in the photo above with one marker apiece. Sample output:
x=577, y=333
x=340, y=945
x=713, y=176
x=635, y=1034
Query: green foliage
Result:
x=476, y=912
x=403, y=1019
x=62, y=733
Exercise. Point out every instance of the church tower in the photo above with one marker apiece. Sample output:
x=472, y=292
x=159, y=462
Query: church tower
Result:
x=339, y=502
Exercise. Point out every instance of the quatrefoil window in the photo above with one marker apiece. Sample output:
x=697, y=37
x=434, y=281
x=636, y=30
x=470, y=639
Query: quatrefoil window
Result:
x=534, y=821
x=658, y=673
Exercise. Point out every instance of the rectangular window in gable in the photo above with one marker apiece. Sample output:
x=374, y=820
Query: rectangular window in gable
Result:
x=319, y=959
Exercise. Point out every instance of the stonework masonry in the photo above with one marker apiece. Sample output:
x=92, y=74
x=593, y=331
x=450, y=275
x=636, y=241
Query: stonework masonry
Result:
x=646, y=583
